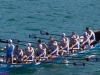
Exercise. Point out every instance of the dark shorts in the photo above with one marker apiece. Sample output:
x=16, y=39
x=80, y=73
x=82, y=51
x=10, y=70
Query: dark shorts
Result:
x=9, y=55
x=31, y=58
x=92, y=38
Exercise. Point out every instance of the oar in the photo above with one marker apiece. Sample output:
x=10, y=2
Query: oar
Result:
x=87, y=59
x=3, y=41
x=17, y=41
x=46, y=33
x=34, y=37
x=75, y=63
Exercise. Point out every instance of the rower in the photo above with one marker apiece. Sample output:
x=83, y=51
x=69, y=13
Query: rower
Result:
x=54, y=50
x=71, y=39
x=86, y=42
x=40, y=50
x=29, y=54
x=75, y=44
x=18, y=53
x=10, y=50
x=63, y=35
x=91, y=35
x=50, y=43
x=64, y=47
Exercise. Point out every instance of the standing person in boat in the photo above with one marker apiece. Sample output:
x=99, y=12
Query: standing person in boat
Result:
x=54, y=50
x=75, y=44
x=10, y=50
x=86, y=42
x=40, y=50
x=91, y=35
x=50, y=43
x=18, y=53
x=29, y=54
x=64, y=46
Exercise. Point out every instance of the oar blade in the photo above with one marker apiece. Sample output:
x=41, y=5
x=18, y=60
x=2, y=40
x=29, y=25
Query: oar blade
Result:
x=15, y=41
x=32, y=36
x=93, y=59
x=3, y=41
x=44, y=33
x=78, y=64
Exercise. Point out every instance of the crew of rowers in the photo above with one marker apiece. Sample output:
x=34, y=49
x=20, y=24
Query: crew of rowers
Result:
x=51, y=50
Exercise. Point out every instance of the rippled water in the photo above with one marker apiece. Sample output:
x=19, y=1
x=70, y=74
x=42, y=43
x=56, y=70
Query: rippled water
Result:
x=19, y=18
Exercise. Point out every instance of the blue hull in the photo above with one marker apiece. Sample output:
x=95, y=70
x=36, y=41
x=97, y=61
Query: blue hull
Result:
x=9, y=67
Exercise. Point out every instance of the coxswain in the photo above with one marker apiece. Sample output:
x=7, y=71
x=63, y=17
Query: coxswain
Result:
x=10, y=51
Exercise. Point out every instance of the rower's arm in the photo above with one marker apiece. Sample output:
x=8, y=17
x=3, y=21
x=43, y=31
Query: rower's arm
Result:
x=5, y=48
x=42, y=53
x=32, y=49
x=46, y=46
x=54, y=50
x=24, y=56
x=78, y=37
x=65, y=46
x=90, y=34
x=84, y=42
x=74, y=45
x=29, y=56
x=21, y=53
x=60, y=45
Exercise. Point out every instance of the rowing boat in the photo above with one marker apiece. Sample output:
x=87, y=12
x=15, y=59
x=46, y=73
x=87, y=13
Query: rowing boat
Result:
x=4, y=65
x=8, y=66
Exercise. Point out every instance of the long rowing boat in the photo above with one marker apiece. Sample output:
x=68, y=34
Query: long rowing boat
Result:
x=8, y=66
x=4, y=65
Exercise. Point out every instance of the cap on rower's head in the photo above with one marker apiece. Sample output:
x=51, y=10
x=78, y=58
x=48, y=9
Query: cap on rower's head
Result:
x=40, y=45
x=63, y=34
x=73, y=37
x=85, y=33
x=10, y=41
x=28, y=44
